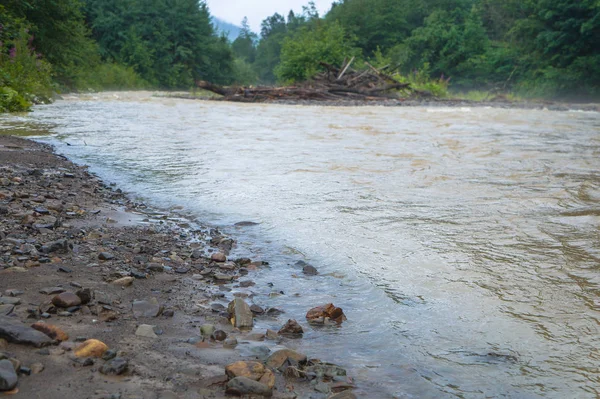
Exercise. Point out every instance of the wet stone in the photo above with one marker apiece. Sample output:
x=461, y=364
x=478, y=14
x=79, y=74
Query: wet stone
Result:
x=256, y=309
x=146, y=308
x=310, y=270
x=116, y=366
x=291, y=328
x=240, y=313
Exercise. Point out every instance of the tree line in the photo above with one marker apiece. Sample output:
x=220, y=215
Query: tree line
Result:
x=534, y=47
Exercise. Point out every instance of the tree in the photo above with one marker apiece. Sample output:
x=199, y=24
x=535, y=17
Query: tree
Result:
x=302, y=52
x=244, y=46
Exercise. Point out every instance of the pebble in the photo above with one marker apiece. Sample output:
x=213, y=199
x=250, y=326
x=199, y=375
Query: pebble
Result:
x=4, y=300
x=146, y=331
x=245, y=386
x=66, y=300
x=8, y=376
x=310, y=270
x=146, y=308
x=105, y=256
x=124, y=282
x=220, y=335
x=50, y=330
x=279, y=358
x=91, y=348
x=5, y=310
x=13, y=292
x=218, y=257
x=37, y=368
x=116, y=366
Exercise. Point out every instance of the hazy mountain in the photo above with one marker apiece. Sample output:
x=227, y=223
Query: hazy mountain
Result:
x=231, y=30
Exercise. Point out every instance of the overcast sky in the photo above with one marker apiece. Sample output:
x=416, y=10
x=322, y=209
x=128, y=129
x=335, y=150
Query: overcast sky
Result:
x=256, y=10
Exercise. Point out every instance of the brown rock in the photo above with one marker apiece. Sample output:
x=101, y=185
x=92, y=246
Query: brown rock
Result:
x=218, y=257
x=291, y=328
x=322, y=314
x=66, y=300
x=124, y=282
x=50, y=330
x=91, y=348
x=252, y=370
x=279, y=358
x=268, y=378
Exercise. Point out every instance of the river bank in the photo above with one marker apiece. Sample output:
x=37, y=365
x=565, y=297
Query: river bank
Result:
x=81, y=256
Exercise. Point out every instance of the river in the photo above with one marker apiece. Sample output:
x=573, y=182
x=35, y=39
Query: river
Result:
x=462, y=243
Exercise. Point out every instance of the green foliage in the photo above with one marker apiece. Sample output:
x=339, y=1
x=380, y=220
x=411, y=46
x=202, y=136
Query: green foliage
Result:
x=244, y=73
x=244, y=46
x=168, y=43
x=109, y=76
x=302, y=52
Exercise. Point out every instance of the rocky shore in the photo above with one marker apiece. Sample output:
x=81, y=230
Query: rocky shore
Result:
x=102, y=297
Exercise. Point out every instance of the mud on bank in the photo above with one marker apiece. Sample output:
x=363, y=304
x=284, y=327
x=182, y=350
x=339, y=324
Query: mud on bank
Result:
x=80, y=256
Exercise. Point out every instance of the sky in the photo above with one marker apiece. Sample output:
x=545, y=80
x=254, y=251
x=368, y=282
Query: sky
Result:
x=257, y=10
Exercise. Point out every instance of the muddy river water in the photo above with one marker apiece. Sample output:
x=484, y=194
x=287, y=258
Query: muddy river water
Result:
x=462, y=243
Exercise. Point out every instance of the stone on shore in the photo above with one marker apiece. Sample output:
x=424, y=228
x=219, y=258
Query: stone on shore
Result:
x=325, y=313
x=240, y=314
x=16, y=332
x=278, y=359
x=52, y=290
x=146, y=308
x=245, y=386
x=50, y=330
x=218, y=257
x=91, y=348
x=5, y=310
x=116, y=366
x=344, y=395
x=146, y=331
x=8, y=376
x=66, y=300
x=291, y=328
x=124, y=282
x=249, y=369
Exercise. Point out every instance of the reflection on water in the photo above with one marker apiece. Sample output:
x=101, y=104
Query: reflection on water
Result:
x=464, y=244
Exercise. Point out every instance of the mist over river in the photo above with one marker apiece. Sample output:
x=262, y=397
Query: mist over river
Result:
x=462, y=243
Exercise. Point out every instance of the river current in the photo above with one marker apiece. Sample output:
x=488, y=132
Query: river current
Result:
x=462, y=243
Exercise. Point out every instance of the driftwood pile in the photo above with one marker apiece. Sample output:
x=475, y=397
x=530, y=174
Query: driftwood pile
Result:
x=334, y=84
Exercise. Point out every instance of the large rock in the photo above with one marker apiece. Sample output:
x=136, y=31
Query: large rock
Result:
x=146, y=308
x=66, y=300
x=291, y=328
x=240, y=313
x=8, y=376
x=62, y=246
x=245, y=386
x=91, y=348
x=250, y=369
x=278, y=359
x=15, y=331
x=50, y=330
x=146, y=331
x=325, y=313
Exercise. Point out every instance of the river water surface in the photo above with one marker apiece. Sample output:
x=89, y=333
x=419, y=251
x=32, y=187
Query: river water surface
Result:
x=462, y=243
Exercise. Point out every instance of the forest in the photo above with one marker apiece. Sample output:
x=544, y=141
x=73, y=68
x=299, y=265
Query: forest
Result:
x=534, y=48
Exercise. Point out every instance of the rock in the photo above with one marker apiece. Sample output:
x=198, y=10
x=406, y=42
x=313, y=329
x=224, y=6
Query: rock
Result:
x=344, y=395
x=16, y=332
x=62, y=246
x=240, y=313
x=139, y=275
x=291, y=328
x=85, y=295
x=207, y=330
x=13, y=292
x=278, y=359
x=310, y=270
x=155, y=267
x=230, y=343
x=268, y=378
x=105, y=256
x=24, y=370
x=218, y=257
x=272, y=335
x=37, y=368
x=3, y=344
x=325, y=313
x=4, y=300
x=247, y=283
x=250, y=369
x=220, y=335
x=52, y=290
x=146, y=331
x=50, y=330
x=257, y=309
x=223, y=277
x=146, y=308
x=124, y=282
x=91, y=348
x=116, y=366
x=245, y=386
x=109, y=355
x=322, y=387
x=66, y=300
x=5, y=310
x=8, y=376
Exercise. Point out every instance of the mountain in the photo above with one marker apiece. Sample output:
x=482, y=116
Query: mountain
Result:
x=232, y=31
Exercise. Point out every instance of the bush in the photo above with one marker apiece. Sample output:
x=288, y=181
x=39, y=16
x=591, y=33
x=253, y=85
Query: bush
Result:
x=109, y=76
